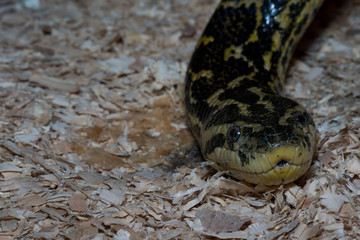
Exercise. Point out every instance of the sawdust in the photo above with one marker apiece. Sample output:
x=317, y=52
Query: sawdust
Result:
x=94, y=142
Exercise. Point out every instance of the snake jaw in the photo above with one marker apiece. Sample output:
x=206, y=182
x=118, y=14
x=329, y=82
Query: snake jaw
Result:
x=279, y=164
x=289, y=163
x=282, y=165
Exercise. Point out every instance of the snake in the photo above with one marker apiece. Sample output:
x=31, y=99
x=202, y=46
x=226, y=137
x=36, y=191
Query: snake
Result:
x=233, y=87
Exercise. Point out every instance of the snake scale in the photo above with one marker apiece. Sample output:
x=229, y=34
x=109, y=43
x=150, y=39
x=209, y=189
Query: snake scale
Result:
x=232, y=94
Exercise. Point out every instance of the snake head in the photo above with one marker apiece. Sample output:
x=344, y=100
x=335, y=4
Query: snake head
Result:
x=271, y=142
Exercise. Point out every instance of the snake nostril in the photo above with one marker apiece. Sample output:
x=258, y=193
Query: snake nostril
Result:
x=282, y=163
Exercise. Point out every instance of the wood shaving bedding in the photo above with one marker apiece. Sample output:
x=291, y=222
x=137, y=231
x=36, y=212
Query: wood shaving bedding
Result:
x=94, y=142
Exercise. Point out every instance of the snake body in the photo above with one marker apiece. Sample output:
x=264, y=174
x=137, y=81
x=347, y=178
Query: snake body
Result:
x=232, y=94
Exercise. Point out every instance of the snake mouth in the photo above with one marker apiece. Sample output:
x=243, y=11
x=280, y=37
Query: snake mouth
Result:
x=282, y=163
x=277, y=159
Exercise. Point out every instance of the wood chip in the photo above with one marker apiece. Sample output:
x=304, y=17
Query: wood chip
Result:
x=95, y=142
x=212, y=221
x=54, y=83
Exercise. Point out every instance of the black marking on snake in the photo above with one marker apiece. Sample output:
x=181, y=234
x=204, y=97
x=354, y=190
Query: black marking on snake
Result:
x=258, y=108
x=301, y=25
x=203, y=90
x=214, y=142
x=238, y=27
x=307, y=141
x=243, y=159
x=295, y=9
x=227, y=114
x=240, y=95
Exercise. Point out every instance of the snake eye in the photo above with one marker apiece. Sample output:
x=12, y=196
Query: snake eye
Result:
x=299, y=117
x=233, y=134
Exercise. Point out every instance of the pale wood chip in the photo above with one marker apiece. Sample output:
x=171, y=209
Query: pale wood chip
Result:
x=117, y=66
x=78, y=203
x=46, y=233
x=32, y=200
x=304, y=231
x=333, y=202
x=114, y=196
x=219, y=222
x=9, y=167
x=54, y=83
x=54, y=214
x=91, y=177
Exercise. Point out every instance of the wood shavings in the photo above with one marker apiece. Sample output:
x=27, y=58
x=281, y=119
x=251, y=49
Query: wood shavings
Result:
x=32, y=200
x=306, y=232
x=93, y=178
x=113, y=196
x=95, y=143
x=353, y=165
x=54, y=83
x=217, y=222
x=294, y=194
x=8, y=167
x=27, y=134
x=333, y=202
x=117, y=66
x=78, y=203
x=314, y=73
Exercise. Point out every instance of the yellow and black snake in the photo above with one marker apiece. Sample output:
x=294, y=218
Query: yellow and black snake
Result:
x=235, y=111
